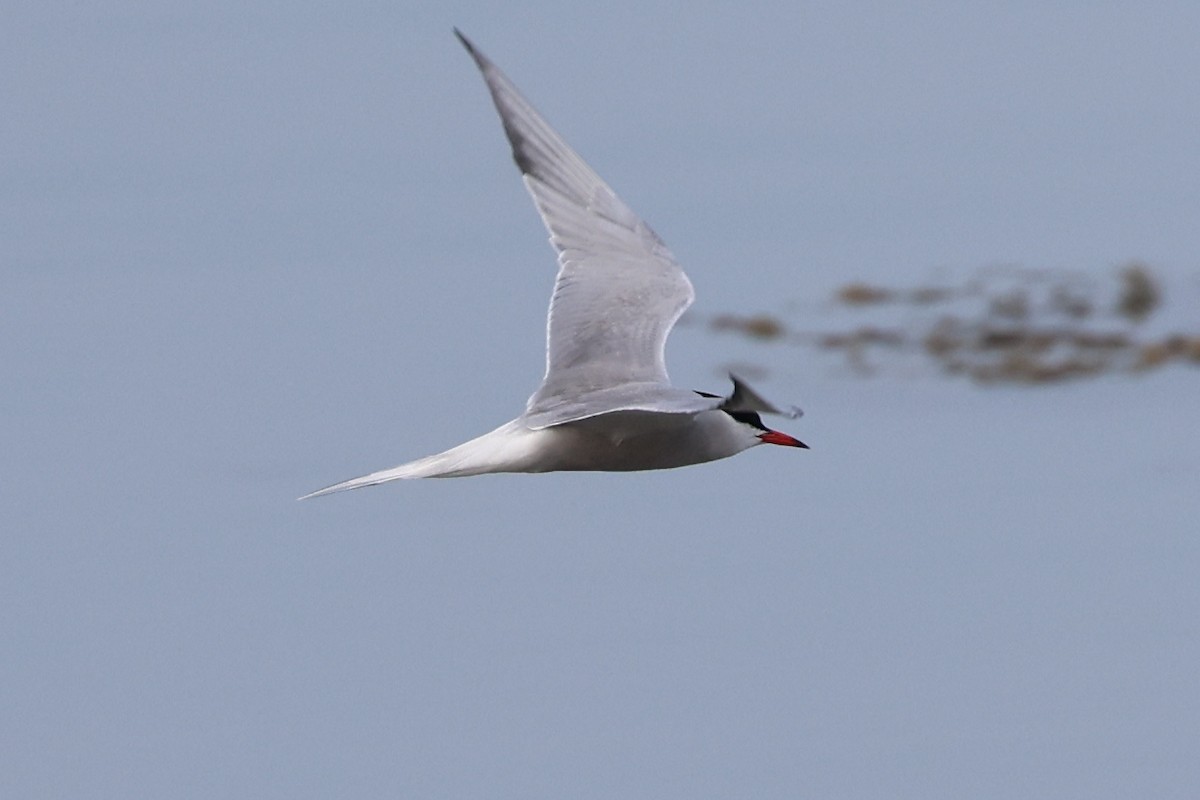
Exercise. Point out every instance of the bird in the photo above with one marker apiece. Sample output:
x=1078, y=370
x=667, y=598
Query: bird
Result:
x=605, y=402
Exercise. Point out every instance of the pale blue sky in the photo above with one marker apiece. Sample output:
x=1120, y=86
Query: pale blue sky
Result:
x=249, y=249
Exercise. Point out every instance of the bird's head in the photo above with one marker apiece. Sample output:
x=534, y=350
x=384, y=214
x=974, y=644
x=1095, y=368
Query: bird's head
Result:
x=753, y=425
x=744, y=405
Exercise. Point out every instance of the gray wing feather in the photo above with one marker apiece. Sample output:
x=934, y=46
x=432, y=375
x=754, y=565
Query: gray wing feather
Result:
x=627, y=397
x=619, y=290
x=746, y=399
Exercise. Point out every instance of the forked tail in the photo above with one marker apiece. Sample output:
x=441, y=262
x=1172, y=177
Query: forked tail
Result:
x=506, y=449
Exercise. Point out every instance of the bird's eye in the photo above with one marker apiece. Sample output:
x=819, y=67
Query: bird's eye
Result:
x=750, y=418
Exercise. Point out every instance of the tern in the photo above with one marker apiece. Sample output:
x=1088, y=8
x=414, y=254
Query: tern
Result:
x=605, y=402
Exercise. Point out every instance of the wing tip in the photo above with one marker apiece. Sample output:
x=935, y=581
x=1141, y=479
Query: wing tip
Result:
x=744, y=395
x=499, y=86
x=480, y=59
x=462, y=37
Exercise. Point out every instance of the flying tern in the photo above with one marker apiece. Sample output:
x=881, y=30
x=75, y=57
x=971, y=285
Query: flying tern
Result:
x=605, y=402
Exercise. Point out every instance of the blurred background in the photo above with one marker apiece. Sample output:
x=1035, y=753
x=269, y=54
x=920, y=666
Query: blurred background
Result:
x=251, y=249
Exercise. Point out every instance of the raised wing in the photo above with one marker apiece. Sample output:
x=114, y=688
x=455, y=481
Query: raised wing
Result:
x=619, y=290
x=746, y=399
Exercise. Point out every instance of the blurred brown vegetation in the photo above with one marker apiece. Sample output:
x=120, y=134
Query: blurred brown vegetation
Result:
x=1003, y=325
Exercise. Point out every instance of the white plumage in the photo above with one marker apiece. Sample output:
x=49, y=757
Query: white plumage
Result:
x=605, y=402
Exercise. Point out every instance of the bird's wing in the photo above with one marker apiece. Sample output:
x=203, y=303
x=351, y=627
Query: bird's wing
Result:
x=619, y=290
x=746, y=399
x=652, y=397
